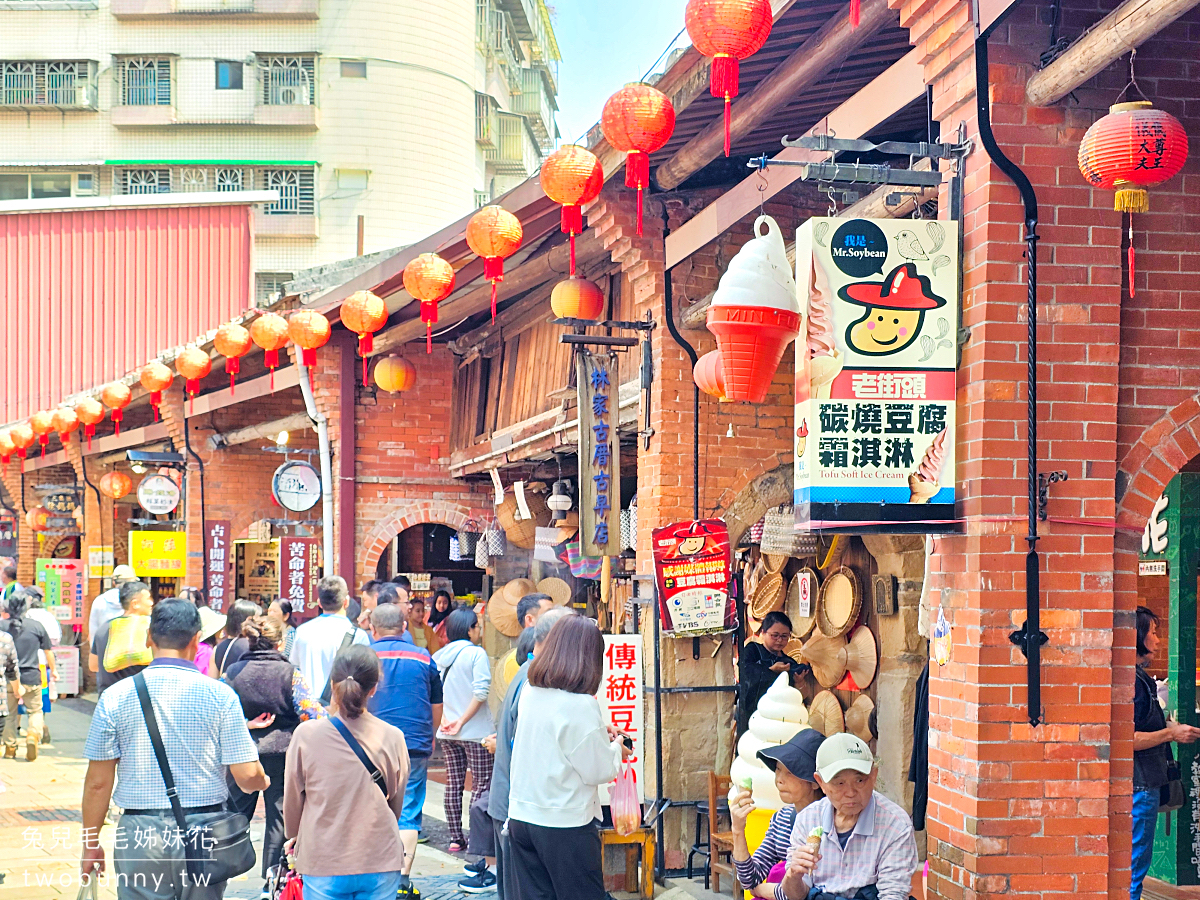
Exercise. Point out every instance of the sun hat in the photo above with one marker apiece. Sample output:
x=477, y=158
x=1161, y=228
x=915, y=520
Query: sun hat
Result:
x=211, y=622
x=124, y=573
x=841, y=752
x=799, y=755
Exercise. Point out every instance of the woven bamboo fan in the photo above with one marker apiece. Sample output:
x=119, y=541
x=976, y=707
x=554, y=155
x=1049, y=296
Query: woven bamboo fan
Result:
x=516, y=589
x=841, y=600
x=827, y=656
x=523, y=533
x=795, y=649
x=825, y=714
x=858, y=718
x=774, y=562
x=556, y=588
x=802, y=625
x=862, y=658
x=503, y=615
x=768, y=595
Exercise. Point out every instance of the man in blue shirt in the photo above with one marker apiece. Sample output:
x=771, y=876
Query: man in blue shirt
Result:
x=409, y=696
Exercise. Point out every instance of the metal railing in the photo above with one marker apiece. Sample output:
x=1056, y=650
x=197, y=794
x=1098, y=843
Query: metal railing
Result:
x=67, y=85
x=535, y=103
x=516, y=151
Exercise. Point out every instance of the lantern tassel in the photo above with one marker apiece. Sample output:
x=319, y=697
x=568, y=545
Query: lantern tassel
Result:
x=1132, y=256
x=44, y=440
x=855, y=12
x=233, y=366
x=1131, y=199
x=155, y=400
x=88, y=431
x=308, y=356
x=493, y=271
x=116, y=417
x=637, y=176
x=366, y=343
x=723, y=82
x=572, y=240
x=428, y=337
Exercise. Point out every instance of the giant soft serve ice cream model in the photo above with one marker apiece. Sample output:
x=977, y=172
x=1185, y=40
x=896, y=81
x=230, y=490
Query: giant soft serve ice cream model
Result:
x=781, y=714
x=755, y=313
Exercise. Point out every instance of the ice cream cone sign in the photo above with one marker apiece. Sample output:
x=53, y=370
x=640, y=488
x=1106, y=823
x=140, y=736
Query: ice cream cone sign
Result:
x=801, y=437
x=924, y=483
x=895, y=310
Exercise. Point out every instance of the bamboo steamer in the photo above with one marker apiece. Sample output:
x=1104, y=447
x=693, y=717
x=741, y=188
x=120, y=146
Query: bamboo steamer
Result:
x=858, y=718
x=839, y=603
x=828, y=658
x=523, y=533
x=503, y=615
x=802, y=626
x=825, y=714
x=768, y=595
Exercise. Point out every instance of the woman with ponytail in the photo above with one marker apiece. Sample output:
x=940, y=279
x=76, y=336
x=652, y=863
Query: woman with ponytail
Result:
x=344, y=791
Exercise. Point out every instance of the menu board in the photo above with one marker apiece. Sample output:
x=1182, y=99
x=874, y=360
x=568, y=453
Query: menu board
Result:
x=876, y=374
x=61, y=581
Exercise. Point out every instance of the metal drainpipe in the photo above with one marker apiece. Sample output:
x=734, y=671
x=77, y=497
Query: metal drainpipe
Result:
x=187, y=443
x=322, y=426
x=105, y=583
x=1031, y=637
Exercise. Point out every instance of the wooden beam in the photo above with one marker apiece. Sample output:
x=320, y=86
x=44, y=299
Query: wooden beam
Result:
x=287, y=377
x=1124, y=29
x=807, y=64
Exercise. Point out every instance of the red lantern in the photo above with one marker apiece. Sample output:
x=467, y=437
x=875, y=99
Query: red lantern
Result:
x=42, y=423
x=233, y=342
x=91, y=414
x=38, y=519
x=156, y=378
x=270, y=332
x=708, y=375
x=395, y=374
x=23, y=437
x=309, y=330
x=1134, y=147
x=572, y=176
x=577, y=298
x=637, y=121
x=494, y=234
x=364, y=314
x=730, y=31
x=7, y=448
x=115, y=485
x=65, y=421
x=430, y=279
x=193, y=364
x=116, y=397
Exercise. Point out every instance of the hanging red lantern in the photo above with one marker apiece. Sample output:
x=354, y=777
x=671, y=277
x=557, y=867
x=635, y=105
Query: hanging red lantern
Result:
x=115, y=485
x=38, y=519
x=42, y=423
x=430, y=279
x=116, y=397
x=494, y=234
x=709, y=376
x=729, y=31
x=7, y=449
x=1134, y=147
x=193, y=364
x=572, y=176
x=65, y=421
x=155, y=377
x=577, y=298
x=91, y=414
x=270, y=332
x=309, y=330
x=364, y=314
x=637, y=121
x=233, y=342
x=22, y=437
x=395, y=374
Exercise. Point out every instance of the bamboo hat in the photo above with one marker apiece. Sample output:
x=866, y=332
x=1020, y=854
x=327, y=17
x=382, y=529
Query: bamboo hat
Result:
x=825, y=714
x=827, y=656
x=505, y=671
x=840, y=602
x=802, y=626
x=775, y=561
x=768, y=595
x=862, y=660
x=556, y=588
x=795, y=649
x=858, y=717
x=516, y=589
x=503, y=615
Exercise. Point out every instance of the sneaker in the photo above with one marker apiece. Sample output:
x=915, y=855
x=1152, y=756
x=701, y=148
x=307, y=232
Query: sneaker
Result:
x=422, y=837
x=480, y=884
x=480, y=865
x=408, y=893
x=10, y=751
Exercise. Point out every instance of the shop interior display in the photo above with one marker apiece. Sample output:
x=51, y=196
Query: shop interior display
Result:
x=802, y=625
x=768, y=595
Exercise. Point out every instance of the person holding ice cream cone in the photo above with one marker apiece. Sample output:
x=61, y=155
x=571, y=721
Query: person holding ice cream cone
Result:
x=853, y=843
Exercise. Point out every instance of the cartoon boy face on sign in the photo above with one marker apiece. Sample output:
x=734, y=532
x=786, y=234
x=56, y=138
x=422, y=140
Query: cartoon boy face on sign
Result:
x=895, y=311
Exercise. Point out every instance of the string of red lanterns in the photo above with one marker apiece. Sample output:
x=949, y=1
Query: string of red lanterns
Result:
x=572, y=176
x=91, y=414
x=430, y=280
x=270, y=332
x=116, y=397
x=42, y=423
x=193, y=364
x=638, y=120
x=7, y=449
x=364, y=313
x=22, y=437
x=494, y=234
x=65, y=421
x=309, y=330
x=233, y=342
x=155, y=377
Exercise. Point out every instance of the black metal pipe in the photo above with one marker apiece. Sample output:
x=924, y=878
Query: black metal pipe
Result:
x=669, y=315
x=105, y=583
x=187, y=443
x=1032, y=638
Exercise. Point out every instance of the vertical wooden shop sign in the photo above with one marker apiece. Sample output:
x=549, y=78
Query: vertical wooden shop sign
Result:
x=298, y=574
x=597, y=382
x=218, y=545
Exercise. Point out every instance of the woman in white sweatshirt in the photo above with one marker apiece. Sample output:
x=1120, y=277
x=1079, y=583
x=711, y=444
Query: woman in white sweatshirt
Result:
x=562, y=753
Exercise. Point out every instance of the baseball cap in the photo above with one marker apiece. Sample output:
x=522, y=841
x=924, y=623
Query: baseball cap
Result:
x=124, y=572
x=840, y=752
x=799, y=755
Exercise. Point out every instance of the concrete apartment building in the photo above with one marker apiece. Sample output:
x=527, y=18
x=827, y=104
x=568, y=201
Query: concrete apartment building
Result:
x=377, y=121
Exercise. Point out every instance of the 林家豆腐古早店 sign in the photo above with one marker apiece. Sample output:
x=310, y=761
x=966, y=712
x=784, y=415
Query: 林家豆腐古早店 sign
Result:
x=875, y=374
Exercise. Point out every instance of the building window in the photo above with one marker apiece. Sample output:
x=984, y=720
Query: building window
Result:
x=85, y=184
x=229, y=75
x=354, y=68
x=296, y=195
x=145, y=181
x=352, y=180
x=145, y=81
x=193, y=180
x=37, y=186
x=288, y=80
x=229, y=179
x=44, y=84
x=269, y=287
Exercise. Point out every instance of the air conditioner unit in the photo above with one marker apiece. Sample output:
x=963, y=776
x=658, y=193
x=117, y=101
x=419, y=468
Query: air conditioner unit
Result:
x=292, y=93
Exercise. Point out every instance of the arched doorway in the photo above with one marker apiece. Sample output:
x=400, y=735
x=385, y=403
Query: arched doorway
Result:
x=426, y=553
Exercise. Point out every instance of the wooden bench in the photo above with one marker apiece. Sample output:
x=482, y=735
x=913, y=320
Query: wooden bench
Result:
x=644, y=837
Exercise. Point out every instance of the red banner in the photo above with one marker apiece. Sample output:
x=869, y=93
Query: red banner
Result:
x=298, y=570
x=692, y=568
x=218, y=545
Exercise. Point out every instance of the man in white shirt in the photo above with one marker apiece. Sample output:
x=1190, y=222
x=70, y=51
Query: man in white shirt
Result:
x=318, y=641
x=107, y=606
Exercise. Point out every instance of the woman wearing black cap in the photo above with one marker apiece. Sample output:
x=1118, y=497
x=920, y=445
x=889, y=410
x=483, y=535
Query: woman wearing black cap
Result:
x=793, y=764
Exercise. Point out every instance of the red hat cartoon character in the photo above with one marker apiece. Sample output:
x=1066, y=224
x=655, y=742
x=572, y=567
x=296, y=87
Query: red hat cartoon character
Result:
x=895, y=310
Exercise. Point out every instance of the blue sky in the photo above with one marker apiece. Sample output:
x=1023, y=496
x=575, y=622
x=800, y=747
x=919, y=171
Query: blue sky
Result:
x=604, y=44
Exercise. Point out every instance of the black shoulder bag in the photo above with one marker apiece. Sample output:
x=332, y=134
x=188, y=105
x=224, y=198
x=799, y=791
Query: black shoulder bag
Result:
x=216, y=851
x=372, y=769
x=327, y=694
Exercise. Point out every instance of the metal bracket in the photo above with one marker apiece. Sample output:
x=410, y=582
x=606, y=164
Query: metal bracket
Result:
x=1045, y=479
x=647, y=324
x=1022, y=638
x=827, y=143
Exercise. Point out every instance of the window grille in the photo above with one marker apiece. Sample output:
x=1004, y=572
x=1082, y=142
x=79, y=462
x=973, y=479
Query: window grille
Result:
x=269, y=287
x=287, y=80
x=193, y=180
x=229, y=179
x=145, y=181
x=145, y=81
x=296, y=191
x=44, y=84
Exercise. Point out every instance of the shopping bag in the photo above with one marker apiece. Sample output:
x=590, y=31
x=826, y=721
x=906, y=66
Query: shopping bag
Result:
x=626, y=810
x=127, y=643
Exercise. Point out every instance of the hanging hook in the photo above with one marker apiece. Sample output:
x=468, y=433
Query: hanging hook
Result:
x=762, y=186
x=1132, y=79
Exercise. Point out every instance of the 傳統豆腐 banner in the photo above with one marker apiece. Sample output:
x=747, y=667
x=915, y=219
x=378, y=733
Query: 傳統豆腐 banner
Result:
x=875, y=374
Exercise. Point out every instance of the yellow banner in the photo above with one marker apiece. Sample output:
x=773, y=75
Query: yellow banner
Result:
x=161, y=554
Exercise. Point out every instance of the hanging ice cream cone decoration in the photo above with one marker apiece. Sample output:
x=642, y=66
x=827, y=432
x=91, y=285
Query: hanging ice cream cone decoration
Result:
x=270, y=332
x=156, y=378
x=755, y=314
x=22, y=437
x=193, y=364
x=364, y=314
x=572, y=176
x=638, y=120
x=233, y=342
x=64, y=421
x=91, y=414
x=430, y=280
x=494, y=234
x=116, y=397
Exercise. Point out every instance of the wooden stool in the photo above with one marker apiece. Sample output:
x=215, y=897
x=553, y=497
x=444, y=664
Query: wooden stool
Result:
x=645, y=837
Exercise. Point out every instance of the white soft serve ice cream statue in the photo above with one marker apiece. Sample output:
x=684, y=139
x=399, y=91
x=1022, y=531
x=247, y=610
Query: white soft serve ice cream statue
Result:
x=781, y=714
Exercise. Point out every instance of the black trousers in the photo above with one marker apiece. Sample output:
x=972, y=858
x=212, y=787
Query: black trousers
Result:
x=244, y=803
x=556, y=863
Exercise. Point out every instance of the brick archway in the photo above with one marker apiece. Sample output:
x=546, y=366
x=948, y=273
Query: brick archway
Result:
x=405, y=515
x=1163, y=449
x=761, y=491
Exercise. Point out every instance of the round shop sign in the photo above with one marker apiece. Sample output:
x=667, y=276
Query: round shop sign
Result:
x=296, y=486
x=158, y=494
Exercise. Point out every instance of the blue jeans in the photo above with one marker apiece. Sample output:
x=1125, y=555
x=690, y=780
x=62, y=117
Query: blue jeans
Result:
x=373, y=886
x=1145, y=818
x=414, y=793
